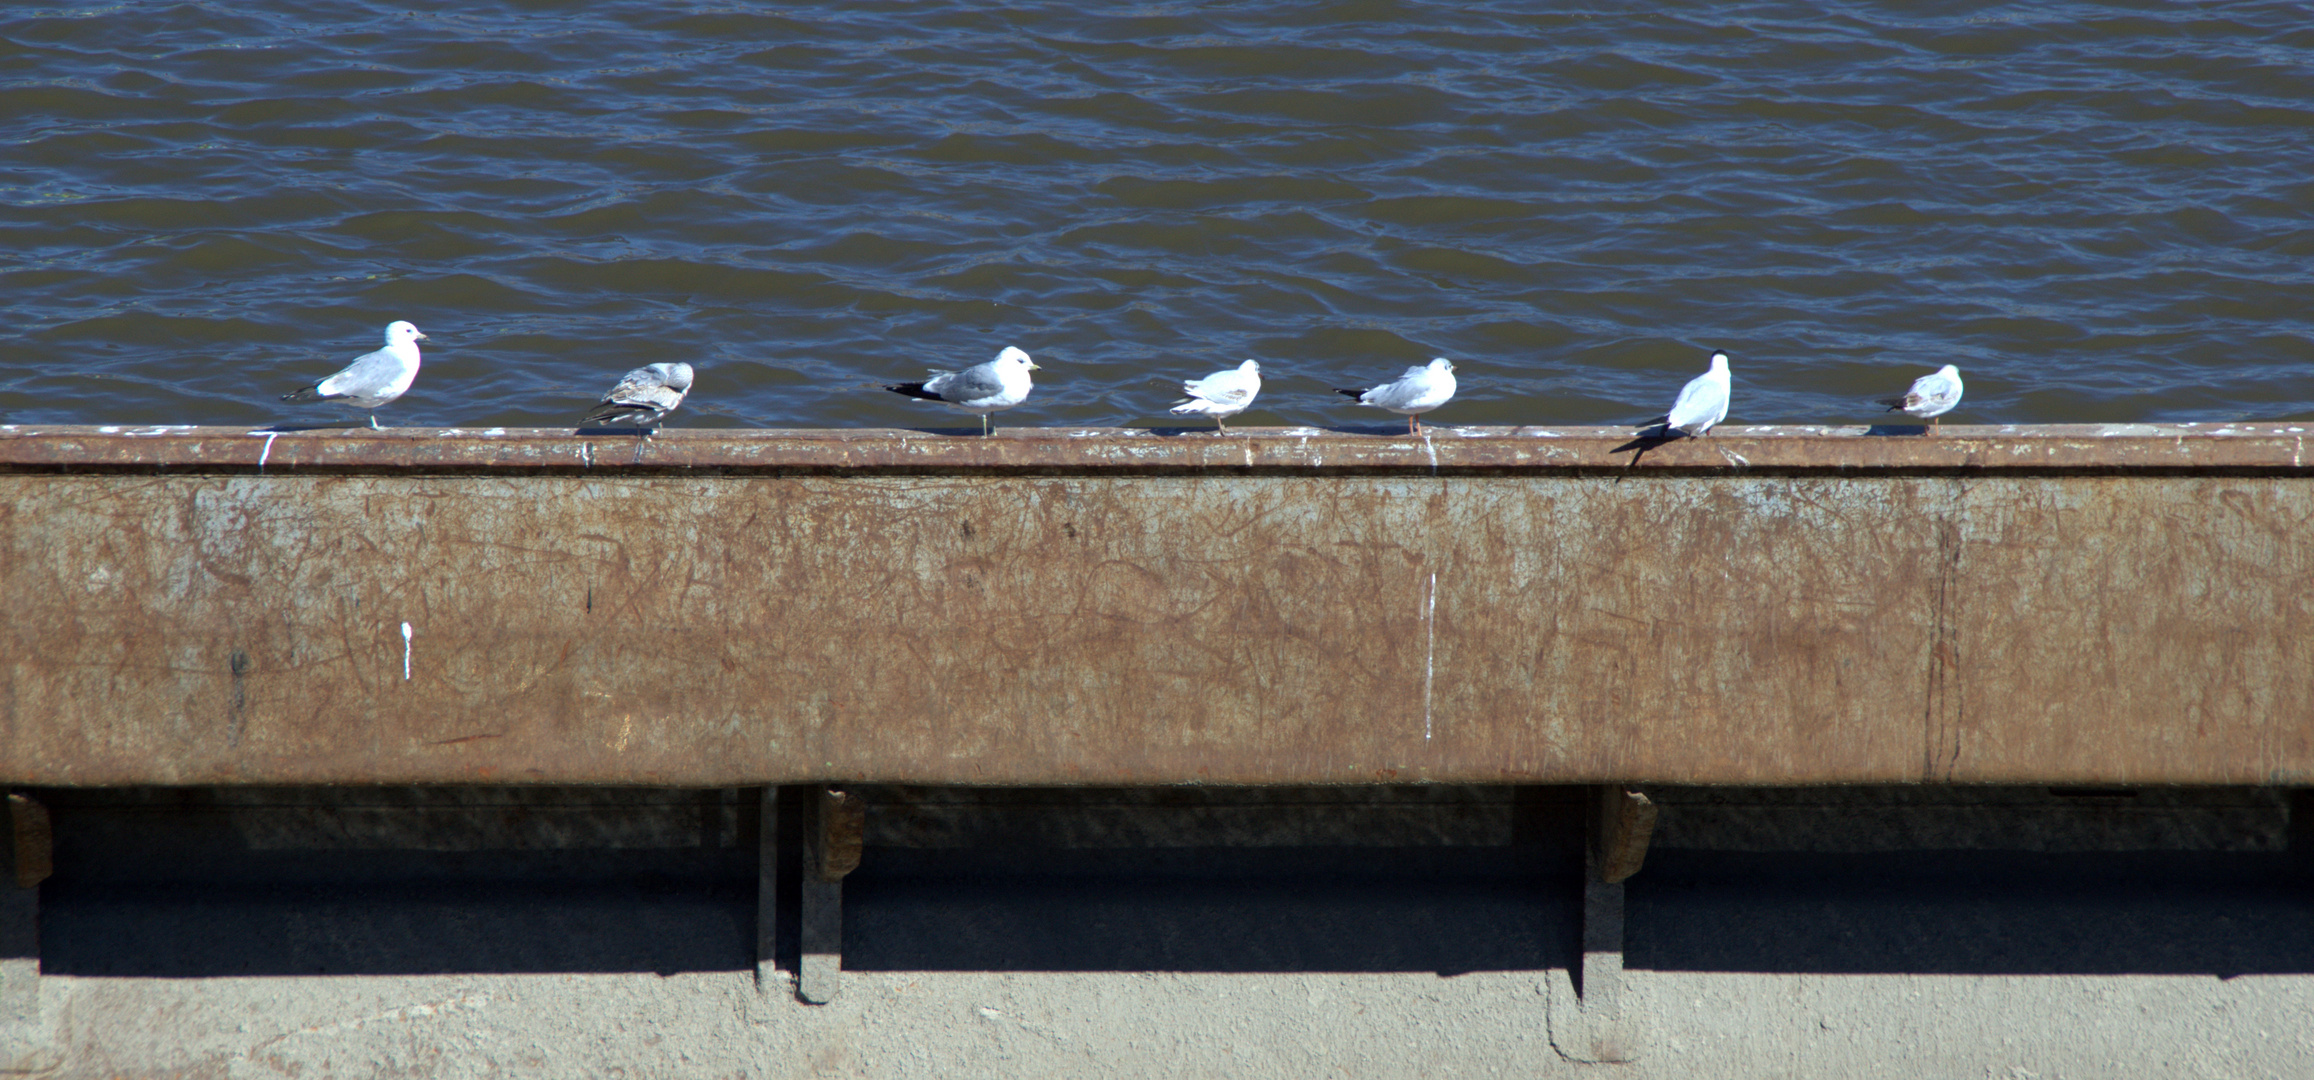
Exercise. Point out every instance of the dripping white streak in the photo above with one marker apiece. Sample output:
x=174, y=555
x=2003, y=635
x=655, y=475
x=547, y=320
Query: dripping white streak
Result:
x=405, y=652
x=268, y=451
x=1430, y=658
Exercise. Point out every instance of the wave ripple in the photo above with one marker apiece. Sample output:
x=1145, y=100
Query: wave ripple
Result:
x=2101, y=215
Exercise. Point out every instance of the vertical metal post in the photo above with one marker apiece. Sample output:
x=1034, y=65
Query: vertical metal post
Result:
x=1625, y=823
x=767, y=891
x=834, y=832
x=30, y=847
x=1594, y=1022
x=1602, y=967
x=30, y=861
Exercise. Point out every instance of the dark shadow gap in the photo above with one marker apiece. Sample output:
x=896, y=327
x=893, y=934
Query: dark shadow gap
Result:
x=1972, y=913
x=1439, y=909
x=603, y=919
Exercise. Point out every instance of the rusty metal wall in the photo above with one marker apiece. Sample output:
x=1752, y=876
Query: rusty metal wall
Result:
x=192, y=606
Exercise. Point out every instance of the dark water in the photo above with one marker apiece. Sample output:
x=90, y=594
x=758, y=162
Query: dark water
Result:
x=2098, y=212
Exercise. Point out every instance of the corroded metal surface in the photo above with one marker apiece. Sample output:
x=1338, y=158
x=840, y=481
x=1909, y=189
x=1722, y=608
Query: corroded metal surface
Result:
x=1056, y=607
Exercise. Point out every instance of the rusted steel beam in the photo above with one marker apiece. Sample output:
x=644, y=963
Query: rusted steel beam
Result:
x=1061, y=607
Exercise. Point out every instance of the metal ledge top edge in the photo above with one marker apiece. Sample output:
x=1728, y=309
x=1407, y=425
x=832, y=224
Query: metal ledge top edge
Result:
x=2279, y=447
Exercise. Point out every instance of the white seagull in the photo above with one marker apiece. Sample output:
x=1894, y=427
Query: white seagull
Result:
x=980, y=389
x=1931, y=395
x=643, y=398
x=374, y=379
x=1418, y=391
x=1702, y=402
x=1222, y=394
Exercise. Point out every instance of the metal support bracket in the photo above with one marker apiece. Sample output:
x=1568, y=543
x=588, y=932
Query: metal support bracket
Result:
x=1598, y=1021
x=33, y=841
x=833, y=835
x=25, y=1042
x=767, y=892
x=1624, y=823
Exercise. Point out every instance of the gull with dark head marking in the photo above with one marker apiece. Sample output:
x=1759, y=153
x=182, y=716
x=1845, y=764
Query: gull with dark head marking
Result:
x=1931, y=396
x=643, y=398
x=374, y=379
x=1418, y=391
x=1221, y=395
x=1702, y=403
x=980, y=389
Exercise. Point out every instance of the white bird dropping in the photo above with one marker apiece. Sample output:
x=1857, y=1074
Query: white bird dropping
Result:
x=980, y=389
x=375, y=378
x=1931, y=396
x=1221, y=395
x=405, y=652
x=643, y=398
x=1702, y=403
x=1418, y=391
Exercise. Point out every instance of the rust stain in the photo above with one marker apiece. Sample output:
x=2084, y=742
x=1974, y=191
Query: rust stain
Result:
x=2080, y=606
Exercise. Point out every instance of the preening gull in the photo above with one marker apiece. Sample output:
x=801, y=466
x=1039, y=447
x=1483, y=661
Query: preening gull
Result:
x=1222, y=394
x=980, y=389
x=374, y=379
x=1702, y=403
x=1931, y=396
x=1418, y=391
x=643, y=398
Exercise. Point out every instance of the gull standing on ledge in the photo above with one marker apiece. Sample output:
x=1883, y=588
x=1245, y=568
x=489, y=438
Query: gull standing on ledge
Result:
x=1931, y=395
x=1222, y=394
x=1418, y=391
x=980, y=389
x=374, y=379
x=1702, y=403
x=643, y=398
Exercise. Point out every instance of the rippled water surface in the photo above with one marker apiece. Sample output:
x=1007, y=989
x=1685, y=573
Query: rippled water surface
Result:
x=2098, y=212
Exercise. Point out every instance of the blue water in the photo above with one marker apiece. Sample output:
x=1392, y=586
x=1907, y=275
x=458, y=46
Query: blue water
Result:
x=2100, y=212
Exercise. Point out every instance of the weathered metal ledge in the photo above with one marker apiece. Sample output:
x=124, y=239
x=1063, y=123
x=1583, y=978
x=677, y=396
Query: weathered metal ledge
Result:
x=1774, y=606
x=2083, y=448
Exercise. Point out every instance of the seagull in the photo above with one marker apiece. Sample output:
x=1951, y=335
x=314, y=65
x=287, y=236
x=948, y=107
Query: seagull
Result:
x=376, y=378
x=643, y=398
x=1222, y=394
x=980, y=389
x=1702, y=402
x=1418, y=391
x=1931, y=396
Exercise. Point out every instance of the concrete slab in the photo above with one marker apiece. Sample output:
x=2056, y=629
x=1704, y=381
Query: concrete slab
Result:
x=1098, y=1025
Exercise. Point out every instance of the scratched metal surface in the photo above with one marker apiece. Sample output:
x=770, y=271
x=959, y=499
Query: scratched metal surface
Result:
x=1768, y=608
